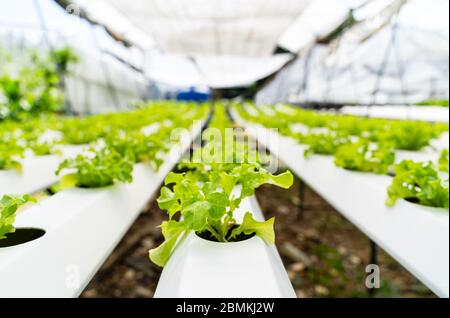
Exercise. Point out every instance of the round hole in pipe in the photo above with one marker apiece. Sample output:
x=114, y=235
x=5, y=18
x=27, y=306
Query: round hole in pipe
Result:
x=21, y=236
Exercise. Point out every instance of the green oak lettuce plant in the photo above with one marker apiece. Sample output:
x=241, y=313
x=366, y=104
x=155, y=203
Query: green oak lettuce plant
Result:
x=406, y=135
x=207, y=204
x=140, y=147
x=366, y=156
x=81, y=131
x=42, y=148
x=8, y=207
x=323, y=143
x=420, y=183
x=96, y=169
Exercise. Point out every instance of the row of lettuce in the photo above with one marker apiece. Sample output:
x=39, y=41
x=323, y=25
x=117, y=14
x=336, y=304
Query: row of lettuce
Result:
x=434, y=102
x=202, y=196
x=366, y=145
x=114, y=144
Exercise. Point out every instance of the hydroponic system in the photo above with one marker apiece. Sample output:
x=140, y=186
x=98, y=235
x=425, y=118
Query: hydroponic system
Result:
x=224, y=149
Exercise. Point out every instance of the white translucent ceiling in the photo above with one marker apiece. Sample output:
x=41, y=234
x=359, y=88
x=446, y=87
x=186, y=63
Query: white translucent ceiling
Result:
x=319, y=19
x=215, y=72
x=227, y=27
x=222, y=43
x=398, y=56
x=212, y=27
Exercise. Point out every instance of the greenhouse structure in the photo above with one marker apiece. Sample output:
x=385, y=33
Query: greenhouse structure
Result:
x=231, y=149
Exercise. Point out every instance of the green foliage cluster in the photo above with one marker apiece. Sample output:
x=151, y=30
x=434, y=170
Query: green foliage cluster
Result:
x=17, y=137
x=124, y=132
x=404, y=135
x=32, y=84
x=125, y=143
x=99, y=168
x=8, y=208
x=419, y=183
x=323, y=143
x=140, y=147
x=365, y=156
x=434, y=102
x=10, y=154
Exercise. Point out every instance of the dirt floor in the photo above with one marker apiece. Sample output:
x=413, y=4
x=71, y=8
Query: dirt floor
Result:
x=324, y=254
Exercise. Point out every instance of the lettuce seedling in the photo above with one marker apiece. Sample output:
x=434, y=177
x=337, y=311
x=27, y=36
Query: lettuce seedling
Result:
x=419, y=183
x=83, y=131
x=406, y=135
x=207, y=202
x=323, y=143
x=140, y=147
x=8, y=208
x=99, y=168
x=365, y=156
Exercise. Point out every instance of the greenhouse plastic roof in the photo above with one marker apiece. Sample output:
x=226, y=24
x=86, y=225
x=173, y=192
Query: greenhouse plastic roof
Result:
x=227, y=27
x=208, y=27
x=222, y=43
x=215, y=72
x=322, y=17
x=398, y=56
x=231, y=43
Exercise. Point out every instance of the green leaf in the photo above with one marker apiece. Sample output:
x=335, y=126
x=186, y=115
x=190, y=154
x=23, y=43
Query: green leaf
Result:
x=173, y=178
x=66, y=182
x=228, y=182
x=186, y=190
x=196, y=215
x=218, y=202
x=171, y=231
x=168, y=201
x=264, y=230
x=284, y=180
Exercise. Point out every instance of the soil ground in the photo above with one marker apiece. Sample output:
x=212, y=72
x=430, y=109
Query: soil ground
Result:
x=324, y=254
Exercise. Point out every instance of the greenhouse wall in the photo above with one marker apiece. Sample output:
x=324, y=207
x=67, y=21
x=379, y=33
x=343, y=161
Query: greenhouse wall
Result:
x=107, y=77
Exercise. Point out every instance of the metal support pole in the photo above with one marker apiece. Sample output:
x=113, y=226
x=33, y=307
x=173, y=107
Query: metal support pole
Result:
x=301, y=209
